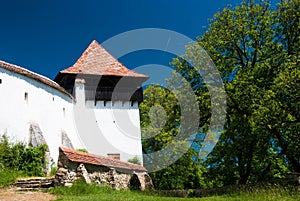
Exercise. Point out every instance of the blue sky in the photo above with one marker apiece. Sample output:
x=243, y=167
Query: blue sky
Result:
x=48, y=36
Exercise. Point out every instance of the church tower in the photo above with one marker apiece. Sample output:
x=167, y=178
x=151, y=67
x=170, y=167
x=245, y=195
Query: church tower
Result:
x=107, y=95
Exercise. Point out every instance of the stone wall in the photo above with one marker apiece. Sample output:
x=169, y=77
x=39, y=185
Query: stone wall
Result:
x=68, y=172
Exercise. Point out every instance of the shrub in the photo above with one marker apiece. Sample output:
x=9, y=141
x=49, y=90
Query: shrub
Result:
x=134, y=160
x=17, y=157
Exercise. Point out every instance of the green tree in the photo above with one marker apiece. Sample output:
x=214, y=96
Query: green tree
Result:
x=280, y=108
x=256, y=50
x=161, y=122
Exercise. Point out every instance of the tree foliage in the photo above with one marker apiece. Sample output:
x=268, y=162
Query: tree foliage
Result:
x=160, y=122
x=255, y=47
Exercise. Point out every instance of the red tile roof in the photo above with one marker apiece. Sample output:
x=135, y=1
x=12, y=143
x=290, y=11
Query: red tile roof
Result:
x=32, y=75
x=95, y=60
x=87, y=158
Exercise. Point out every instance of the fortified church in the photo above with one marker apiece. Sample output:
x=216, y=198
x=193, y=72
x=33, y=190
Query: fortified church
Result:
x=91, y=105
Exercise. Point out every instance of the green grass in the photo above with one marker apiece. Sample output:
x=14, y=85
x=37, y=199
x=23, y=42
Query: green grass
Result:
x=266, y=194
x=7, y=176
x=83, y=192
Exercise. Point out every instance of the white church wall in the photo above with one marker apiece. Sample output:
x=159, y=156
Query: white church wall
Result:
x=24, y=100
x=108, y=127
x=119, y=124
x=105, y=127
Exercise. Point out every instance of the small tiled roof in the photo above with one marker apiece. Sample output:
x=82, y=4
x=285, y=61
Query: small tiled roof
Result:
x=87, y=158
x=95, y=60
x=32, y=75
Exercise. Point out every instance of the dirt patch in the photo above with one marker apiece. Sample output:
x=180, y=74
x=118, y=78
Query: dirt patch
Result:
x=11, y=195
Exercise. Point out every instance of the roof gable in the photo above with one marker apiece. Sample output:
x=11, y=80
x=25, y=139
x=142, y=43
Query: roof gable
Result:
x=87, y=158
x=95, y=60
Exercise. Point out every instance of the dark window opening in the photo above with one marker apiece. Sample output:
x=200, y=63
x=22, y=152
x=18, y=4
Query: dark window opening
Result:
x=0, y=81
x=108, y=94
x=26, y=96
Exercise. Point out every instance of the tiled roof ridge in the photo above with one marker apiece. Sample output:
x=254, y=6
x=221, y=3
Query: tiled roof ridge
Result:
x=98, y=44
x=96, y=60
x=88, y=158
x=35, y=76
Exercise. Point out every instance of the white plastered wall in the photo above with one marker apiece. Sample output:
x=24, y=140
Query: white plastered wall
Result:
x=51, y=109
x=109, y=127
x=101, y=128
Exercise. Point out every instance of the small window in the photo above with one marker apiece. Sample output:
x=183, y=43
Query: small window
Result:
x=64, y=112
x=52, y=98
x=104, y=103
x=132, y=103
x=26, y=97
x=0, y=81
x=114, y=156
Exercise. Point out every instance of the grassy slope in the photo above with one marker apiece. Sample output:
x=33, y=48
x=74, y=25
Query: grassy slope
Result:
x=134, y=196
x=83, y=192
